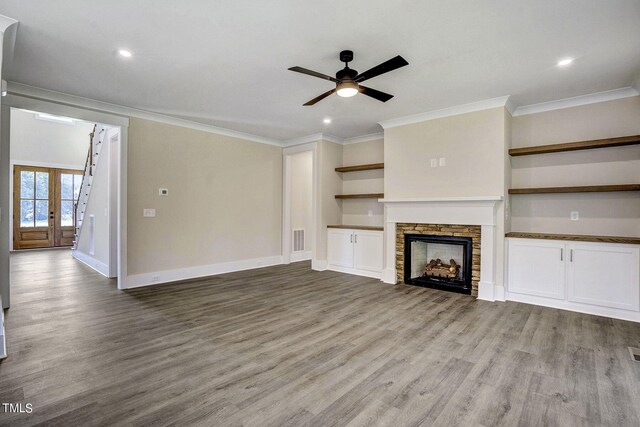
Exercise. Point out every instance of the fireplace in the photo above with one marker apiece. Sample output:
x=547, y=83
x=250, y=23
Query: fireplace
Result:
x=440, y=262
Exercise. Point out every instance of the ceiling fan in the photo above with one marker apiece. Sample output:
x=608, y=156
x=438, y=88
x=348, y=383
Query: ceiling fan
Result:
x=348, y=81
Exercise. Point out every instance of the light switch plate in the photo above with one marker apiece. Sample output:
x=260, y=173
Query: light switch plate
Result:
x=575, y=215
x=434, y=163
x=149, y=213
x=442, y=161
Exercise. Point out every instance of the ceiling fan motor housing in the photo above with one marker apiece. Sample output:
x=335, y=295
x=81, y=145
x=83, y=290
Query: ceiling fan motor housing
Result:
x=346, y=56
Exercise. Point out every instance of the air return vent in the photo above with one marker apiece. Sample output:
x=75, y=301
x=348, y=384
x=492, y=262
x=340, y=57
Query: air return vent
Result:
x=635, y=353
x=298, y=240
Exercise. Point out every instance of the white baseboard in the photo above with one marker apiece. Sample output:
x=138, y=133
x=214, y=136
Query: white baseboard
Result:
x=165, y=276
x=319, y=264
x=300, y=256
x=372, y=274
x=615, y=313
x=389, y=275
x=498, y=293
x=487, y=291
x=98, y=266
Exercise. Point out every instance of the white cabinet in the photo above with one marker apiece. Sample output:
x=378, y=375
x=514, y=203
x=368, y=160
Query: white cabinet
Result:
x=355, y=251
x=537, y=267
x=596, y=278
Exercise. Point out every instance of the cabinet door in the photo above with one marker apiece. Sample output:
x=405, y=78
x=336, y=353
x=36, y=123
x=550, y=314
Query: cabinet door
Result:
x=340, y=247
x=368, y=250
x=537, y=268
x=604, y=275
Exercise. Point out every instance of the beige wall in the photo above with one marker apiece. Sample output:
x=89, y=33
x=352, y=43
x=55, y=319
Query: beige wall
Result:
x=41, y=141
x=301, y=194
x=330, y=184
x=224, y=203
x=473, y=145
x=600, y=213
x=356, y=212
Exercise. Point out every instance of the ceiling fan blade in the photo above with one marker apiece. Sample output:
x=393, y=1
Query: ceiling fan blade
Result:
x=313, y=73
x=376, y=94
x=319, y=98
x=385, y=67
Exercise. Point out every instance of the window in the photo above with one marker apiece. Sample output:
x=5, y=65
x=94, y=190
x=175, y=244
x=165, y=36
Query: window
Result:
x=69, y=193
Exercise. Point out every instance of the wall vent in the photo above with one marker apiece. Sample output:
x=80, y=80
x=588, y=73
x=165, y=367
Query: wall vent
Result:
x=298, y=240
x=635, y=354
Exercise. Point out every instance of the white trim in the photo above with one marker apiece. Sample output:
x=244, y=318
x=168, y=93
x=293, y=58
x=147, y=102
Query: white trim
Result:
x=364, y=138
x=3, y=336
x=446, y=112
x=319, y=264
x=615, y=313
x=390, y=276
x=444, y=199
x=636, y=83
x=90, y=261
x=592, y=98
x=300, y=256
x=6, y=22
x=287, y=255
x=314, y=137
x=355, y=271
x=92, y=104
x=166, y=276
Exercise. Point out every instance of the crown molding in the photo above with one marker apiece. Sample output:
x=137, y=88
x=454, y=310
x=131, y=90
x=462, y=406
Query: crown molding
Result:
x=314, y=137
x=364, y=138
x=33, y=92
x=576, y=101
x=6, y=22
x=445, y=112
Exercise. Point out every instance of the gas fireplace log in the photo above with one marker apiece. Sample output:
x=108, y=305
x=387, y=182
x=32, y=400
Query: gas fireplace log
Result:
x=437, y=269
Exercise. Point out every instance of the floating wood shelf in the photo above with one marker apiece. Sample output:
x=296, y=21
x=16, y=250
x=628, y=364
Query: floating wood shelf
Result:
x=357, y=227
x=575, y=237
x=369, y=167
x=575, y=146
x=360, y=196
x=582, y=189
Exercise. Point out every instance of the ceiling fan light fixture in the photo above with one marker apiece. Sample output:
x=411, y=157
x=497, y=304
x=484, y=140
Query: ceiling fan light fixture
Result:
x=347, y=89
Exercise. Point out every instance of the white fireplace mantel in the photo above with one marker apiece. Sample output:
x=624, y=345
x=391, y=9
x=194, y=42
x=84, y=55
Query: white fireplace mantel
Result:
x=447, y=210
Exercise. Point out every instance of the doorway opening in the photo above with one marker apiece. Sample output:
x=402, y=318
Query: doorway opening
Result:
x=63, y=185
x=299, y=203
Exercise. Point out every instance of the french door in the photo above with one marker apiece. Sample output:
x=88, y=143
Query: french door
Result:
x=44, y=206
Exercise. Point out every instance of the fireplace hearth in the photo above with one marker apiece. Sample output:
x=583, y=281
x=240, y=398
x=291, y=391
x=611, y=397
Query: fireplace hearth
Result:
x=439, y=262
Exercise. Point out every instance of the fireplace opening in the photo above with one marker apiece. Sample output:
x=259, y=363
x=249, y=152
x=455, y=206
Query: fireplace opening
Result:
x=439, y=262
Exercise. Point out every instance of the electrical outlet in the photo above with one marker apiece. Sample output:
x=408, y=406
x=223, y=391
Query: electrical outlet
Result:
x=434, y=163
x=442, y=161
x=370, y=212
x=575, y=215
x=163, y=191
x=155, y=278
x=148, y=213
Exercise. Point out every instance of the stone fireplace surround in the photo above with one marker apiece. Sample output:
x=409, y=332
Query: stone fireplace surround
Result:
x=472, y=231
x=456, y=213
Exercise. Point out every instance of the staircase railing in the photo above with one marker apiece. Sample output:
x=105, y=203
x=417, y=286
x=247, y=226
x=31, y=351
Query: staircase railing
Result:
x=96, y=139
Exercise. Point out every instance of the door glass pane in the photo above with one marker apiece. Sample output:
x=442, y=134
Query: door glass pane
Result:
x=26, y=213
x=77, y=181
x=67, y=213
x=26, y=184
x=42, y=213
x=42, y=185
x=66, y=182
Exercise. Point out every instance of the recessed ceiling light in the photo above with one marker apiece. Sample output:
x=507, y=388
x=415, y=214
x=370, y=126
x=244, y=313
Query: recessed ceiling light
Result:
x=125, y=53
x=326, y=121
x=565, y=62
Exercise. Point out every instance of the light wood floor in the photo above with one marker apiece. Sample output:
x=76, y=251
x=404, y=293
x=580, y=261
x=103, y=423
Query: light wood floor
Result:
x=289, y=346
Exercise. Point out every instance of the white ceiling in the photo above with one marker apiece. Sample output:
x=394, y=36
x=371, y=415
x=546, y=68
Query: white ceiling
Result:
x=225, y=63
